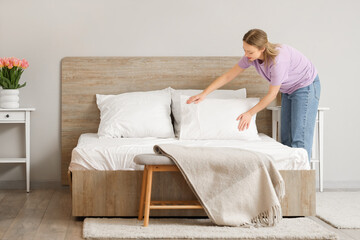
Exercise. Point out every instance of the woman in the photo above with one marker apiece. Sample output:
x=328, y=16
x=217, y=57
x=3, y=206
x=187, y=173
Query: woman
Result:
x=287, y=71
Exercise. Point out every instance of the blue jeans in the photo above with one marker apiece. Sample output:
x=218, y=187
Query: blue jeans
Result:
x=298, y=116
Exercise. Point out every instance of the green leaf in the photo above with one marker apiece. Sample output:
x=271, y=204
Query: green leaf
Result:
x=12, y=75
x=4, y=72
x=23, y=85
x=5, y=78
x=9, y=78
x=5, y=85
x=7, y=73
x=17, y=76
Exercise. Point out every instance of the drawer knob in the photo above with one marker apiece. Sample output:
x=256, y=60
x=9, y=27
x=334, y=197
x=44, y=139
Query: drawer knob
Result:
x=7, y=116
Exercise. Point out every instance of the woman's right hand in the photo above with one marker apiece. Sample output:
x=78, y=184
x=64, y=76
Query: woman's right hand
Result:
x=196, y=99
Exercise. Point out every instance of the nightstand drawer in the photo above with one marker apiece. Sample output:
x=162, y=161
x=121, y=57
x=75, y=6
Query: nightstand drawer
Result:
x=12, y=116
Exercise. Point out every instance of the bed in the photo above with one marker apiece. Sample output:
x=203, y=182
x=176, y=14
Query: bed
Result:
x=110, y=192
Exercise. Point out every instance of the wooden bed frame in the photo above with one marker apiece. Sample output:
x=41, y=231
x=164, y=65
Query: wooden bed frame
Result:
x=117, y=193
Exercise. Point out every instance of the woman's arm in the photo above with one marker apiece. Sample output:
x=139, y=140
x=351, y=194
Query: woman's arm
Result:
x=245, y=118
x=217, y=83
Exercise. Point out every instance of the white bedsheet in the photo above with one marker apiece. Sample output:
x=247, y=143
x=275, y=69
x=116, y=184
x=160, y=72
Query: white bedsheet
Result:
x=93, y=153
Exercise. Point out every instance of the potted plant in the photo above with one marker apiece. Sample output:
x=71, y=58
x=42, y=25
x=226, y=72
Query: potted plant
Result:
x=10, y=73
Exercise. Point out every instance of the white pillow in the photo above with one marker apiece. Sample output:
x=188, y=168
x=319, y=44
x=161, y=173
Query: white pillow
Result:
x=216, y=119
x=135, y=114
x=175, y=101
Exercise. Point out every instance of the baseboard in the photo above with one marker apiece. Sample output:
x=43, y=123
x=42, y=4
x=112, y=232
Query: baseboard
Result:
x=20, y=184
x=348, y=185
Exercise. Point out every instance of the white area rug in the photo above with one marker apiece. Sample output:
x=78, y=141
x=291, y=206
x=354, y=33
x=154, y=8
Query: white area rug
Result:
x=180, y=228
x=340, y=209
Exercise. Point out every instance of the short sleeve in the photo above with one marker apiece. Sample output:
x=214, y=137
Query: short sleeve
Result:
x=244, y=63
x=279, y=73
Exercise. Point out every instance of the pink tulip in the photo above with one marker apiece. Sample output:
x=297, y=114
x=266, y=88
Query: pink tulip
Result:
x=16, y=62
x=24, y=64
x=13, y=62
x=6, y=62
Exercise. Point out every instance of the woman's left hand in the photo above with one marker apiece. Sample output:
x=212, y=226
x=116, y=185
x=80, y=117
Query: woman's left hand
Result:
x=244, y=123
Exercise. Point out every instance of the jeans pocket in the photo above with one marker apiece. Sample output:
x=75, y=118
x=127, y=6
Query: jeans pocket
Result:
x=317, y=89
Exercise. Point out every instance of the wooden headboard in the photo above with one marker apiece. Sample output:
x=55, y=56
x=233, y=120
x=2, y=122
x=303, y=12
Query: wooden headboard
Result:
x=83, y=77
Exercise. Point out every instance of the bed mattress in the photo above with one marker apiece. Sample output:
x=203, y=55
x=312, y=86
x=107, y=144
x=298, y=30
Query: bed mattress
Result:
x=94, y=153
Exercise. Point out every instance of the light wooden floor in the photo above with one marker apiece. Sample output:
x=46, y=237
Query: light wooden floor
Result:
x=46, y=214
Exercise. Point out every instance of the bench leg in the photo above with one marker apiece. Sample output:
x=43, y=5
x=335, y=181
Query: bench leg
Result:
x=148, y=195
x=142, y=197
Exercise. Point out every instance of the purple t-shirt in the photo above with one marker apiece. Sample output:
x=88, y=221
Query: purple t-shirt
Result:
x=292, y=70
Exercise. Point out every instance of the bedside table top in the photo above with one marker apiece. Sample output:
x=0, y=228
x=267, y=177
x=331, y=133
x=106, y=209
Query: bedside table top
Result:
x=279, y=107
x=16, y=109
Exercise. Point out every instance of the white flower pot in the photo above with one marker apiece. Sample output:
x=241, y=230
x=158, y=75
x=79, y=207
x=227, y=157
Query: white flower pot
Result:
x=9, y=98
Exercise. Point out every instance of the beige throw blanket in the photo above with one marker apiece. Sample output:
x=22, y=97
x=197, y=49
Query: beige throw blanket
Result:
x=236, y=187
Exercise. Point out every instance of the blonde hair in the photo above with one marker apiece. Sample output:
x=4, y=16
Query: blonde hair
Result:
x=258, y=38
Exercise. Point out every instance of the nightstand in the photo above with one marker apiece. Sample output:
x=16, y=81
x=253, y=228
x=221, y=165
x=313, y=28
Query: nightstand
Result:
x=19, y=115
x=317, y=154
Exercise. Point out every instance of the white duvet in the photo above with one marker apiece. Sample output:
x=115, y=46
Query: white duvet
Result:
x=93, y=153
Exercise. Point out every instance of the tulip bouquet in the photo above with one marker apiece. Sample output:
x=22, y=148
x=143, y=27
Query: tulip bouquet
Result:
x=10, y=72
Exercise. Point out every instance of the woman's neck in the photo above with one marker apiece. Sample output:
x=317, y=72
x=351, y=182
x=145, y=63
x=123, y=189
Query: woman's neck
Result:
x=261, y=57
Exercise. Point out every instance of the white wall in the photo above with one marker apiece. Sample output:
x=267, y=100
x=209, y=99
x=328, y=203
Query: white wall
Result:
x=44, y=32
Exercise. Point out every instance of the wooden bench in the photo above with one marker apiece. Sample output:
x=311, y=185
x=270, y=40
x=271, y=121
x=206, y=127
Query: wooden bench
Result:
x=157, y=163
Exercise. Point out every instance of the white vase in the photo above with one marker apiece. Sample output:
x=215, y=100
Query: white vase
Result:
x=9, y=98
